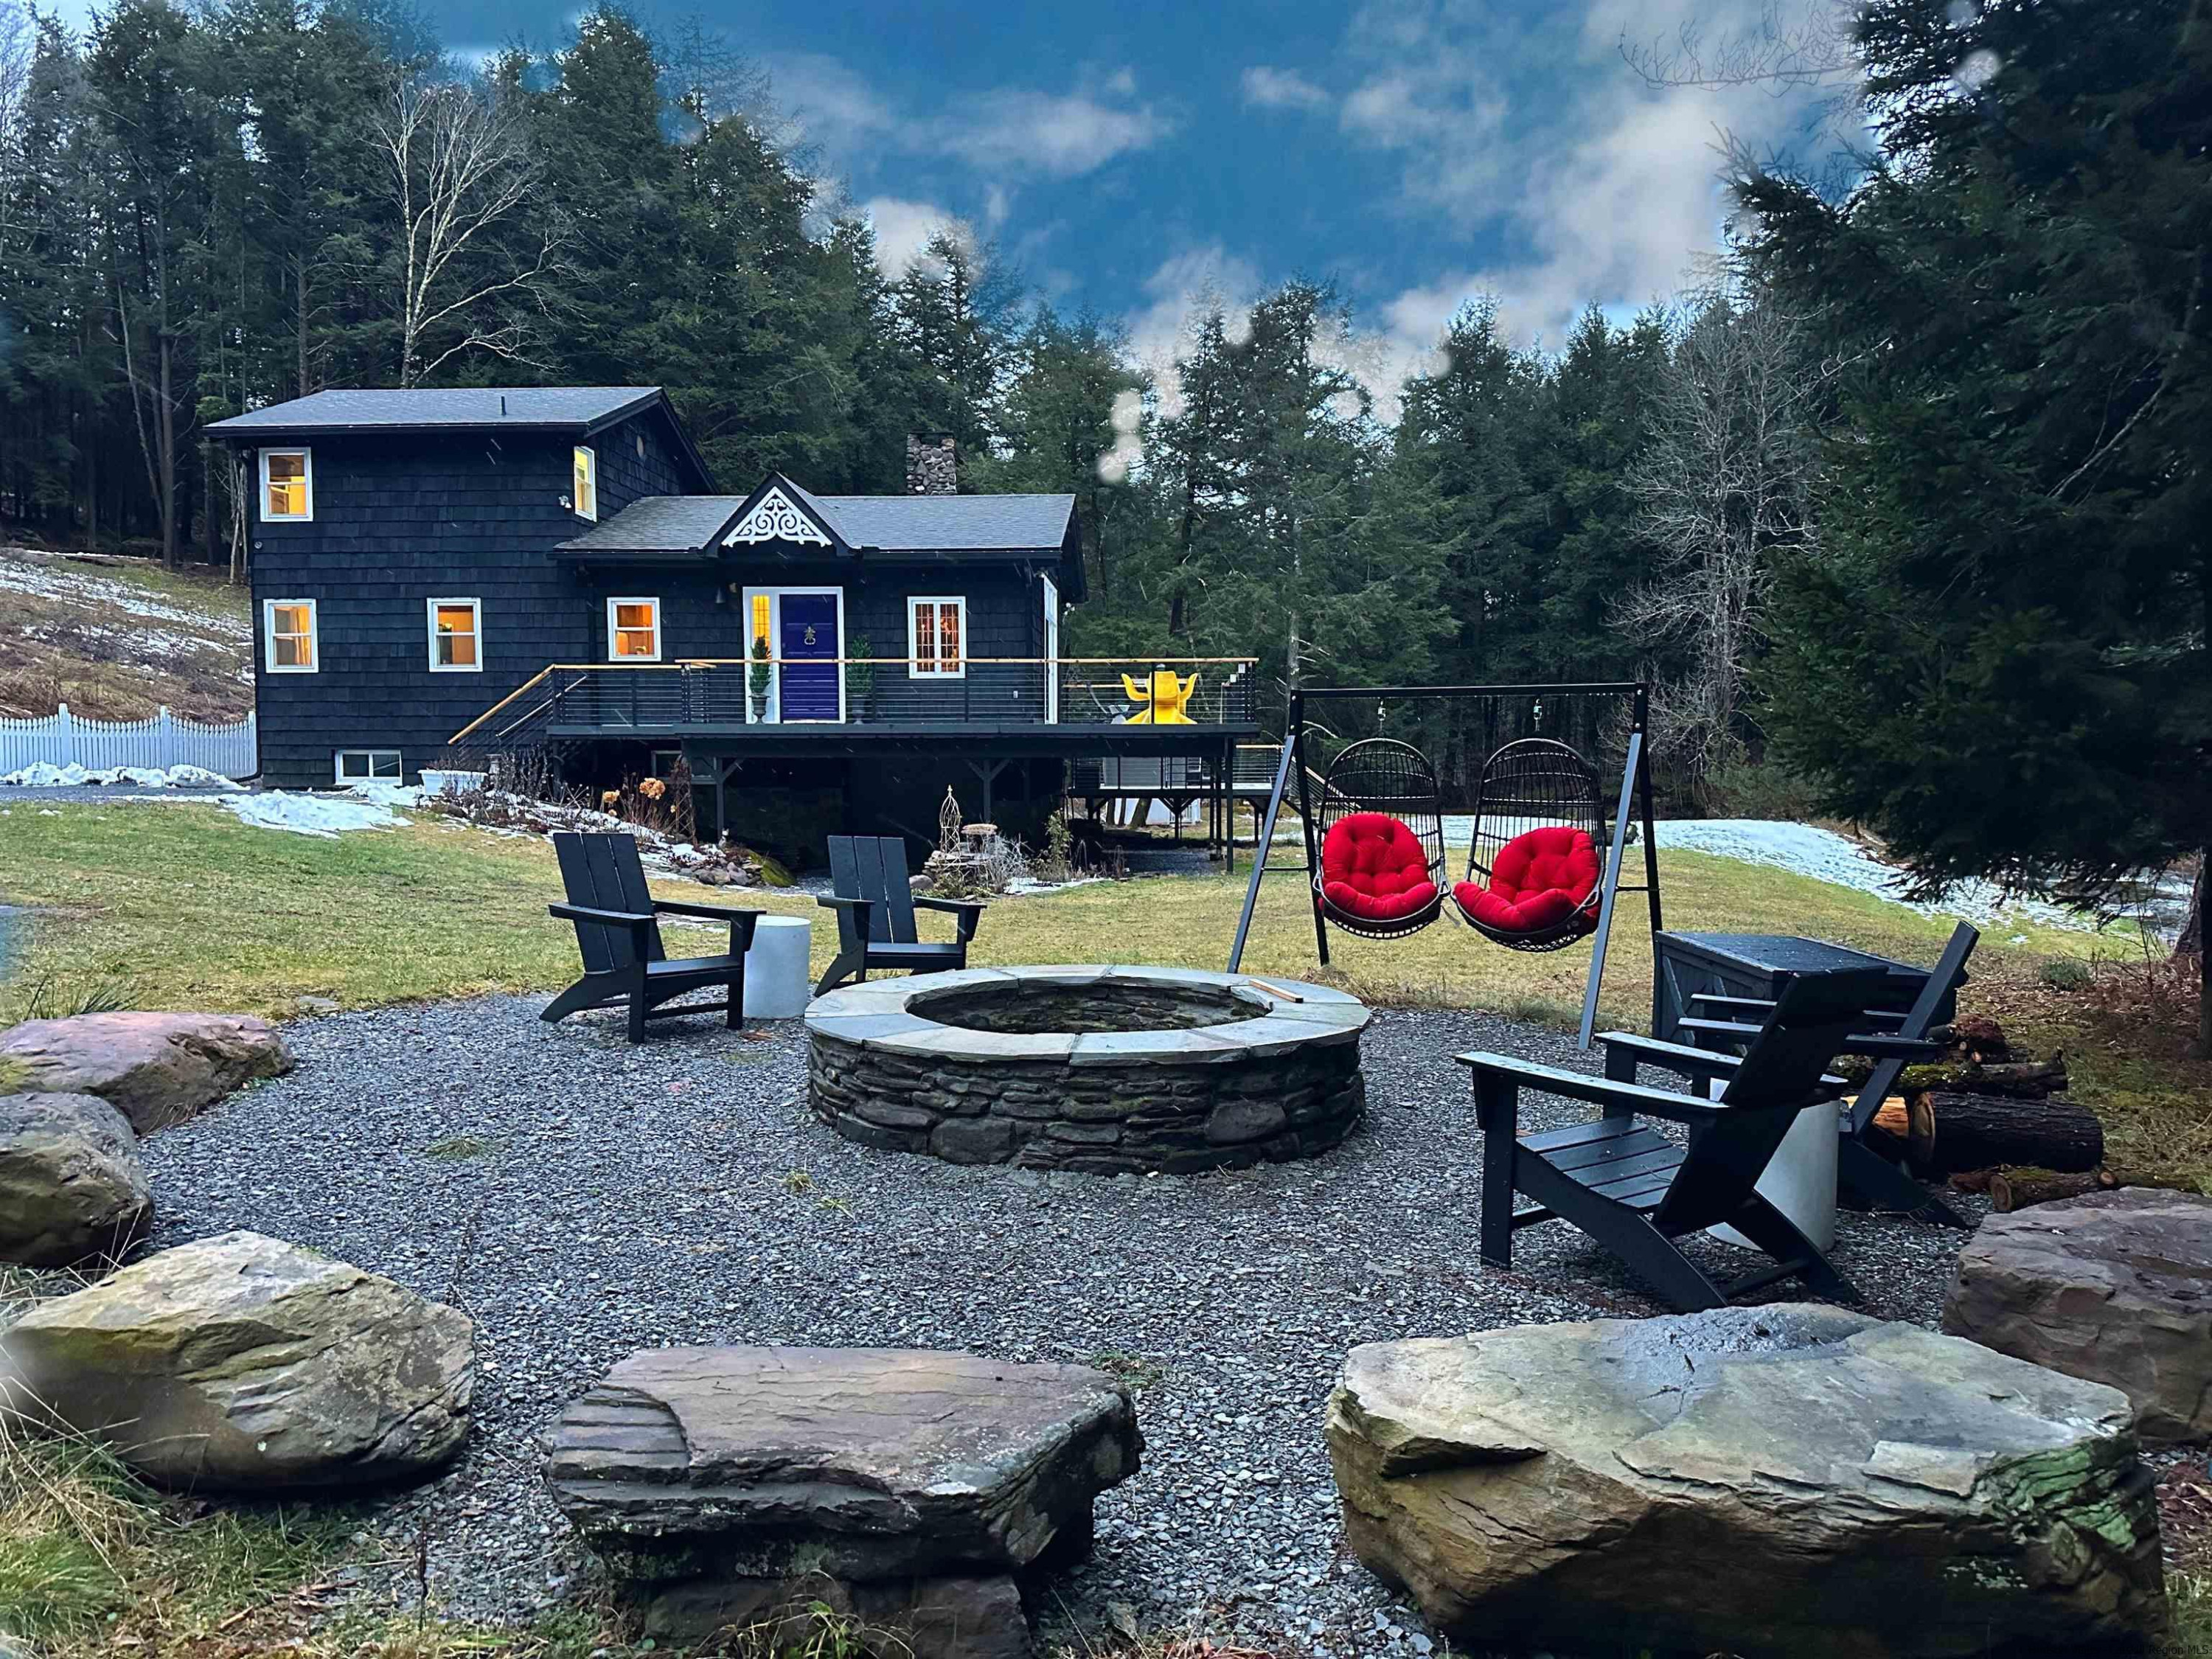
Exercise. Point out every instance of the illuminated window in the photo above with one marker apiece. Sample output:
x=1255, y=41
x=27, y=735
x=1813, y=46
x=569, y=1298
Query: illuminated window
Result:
x=936, y=637
x=634, y=631
x=287, y=627
x=456, y=628
x=288, y=487
x=585, y=486
x=760, y=622
x=369, y=766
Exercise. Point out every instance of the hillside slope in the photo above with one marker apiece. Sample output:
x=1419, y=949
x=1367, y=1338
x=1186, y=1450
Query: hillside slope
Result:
x=116, y=638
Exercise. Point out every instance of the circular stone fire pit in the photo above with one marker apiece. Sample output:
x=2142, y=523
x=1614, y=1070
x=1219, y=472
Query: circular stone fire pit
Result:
x=1103, y=1069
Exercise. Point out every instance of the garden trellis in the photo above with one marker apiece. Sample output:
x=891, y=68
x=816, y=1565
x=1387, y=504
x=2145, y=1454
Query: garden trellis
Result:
x=1517, y=759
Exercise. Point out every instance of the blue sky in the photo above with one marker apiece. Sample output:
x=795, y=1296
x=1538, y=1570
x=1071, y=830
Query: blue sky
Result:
x=1128, y=158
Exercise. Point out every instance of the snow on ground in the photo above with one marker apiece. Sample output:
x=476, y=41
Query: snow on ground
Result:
x=44, y=775
x=24, y=570
x=1826, y=856
x=325, y=815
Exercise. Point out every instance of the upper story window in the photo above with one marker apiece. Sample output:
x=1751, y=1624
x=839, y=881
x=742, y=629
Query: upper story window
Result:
x=584, y=485
x=455, y=635
x=937, y=637
x=287, y=628
x=632, y=630
x=288, y=484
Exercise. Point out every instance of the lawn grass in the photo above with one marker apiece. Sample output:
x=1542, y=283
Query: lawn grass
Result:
x=179, y=905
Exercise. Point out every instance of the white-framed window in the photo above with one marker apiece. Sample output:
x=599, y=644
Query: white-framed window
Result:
x=584, y=484
x=290, y=645
x=369, y=766
x=455, y=635
x=937, y=637
x=288, y=485
x=632, y=630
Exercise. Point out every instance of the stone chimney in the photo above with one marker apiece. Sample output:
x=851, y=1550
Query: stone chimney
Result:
x=932, y=466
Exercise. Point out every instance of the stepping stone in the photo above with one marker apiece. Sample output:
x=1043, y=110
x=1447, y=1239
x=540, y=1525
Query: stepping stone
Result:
x=155, y=1068
x=722, y=1483
x=1790, y=1481
x=71, y=1187
x=244, y=1364
x=2115, y=1287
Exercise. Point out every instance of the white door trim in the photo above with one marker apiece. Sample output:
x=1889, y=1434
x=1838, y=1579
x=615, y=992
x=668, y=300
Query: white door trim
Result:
x=1051, y=651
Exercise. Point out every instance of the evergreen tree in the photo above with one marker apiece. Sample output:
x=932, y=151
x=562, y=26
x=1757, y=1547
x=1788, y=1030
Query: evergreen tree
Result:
x=1997, y=655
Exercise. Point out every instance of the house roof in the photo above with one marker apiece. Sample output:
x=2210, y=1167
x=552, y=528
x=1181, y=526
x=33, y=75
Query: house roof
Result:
x=579, y=410
x=380, y=408
x=860, y=523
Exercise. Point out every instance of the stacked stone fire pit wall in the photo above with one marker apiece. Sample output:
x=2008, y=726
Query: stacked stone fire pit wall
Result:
x=1173, y=1070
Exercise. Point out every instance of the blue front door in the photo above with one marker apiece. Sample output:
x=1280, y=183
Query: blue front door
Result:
x=809, y=631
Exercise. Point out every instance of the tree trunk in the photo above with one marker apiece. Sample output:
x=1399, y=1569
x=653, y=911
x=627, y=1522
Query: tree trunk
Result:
x=1980, y=1131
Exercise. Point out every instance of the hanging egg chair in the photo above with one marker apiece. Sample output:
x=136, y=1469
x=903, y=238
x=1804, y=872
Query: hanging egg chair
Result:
x=1383, y=841
x=1534, y=864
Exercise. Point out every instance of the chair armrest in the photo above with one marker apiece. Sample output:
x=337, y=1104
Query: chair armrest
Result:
x=584, y=913
x=1698, y=1064
x=969, y=911
x=1598, y=1090
x=703, y=912
x=838, y=902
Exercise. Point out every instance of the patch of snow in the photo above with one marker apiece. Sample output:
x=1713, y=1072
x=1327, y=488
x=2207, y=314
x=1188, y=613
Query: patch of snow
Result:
x=45, y=775
x=24, y=571
x=325, y=815
x=1029, y=886
x=1808, y=850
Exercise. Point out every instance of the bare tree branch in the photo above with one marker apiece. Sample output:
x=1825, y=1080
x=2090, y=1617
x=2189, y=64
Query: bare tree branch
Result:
x=462, y=168
x=1795, y=43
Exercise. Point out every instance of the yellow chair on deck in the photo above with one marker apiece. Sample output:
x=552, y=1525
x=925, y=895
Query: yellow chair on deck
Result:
x=1163, y=702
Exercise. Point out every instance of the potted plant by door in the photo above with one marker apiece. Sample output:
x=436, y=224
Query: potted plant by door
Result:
x=859, y=678
x=758, y=678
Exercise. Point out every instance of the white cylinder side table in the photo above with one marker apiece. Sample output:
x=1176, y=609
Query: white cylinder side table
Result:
x=777, y=980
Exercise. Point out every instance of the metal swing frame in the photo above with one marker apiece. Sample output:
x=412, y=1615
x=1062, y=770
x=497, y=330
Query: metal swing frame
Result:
x=1295, y=780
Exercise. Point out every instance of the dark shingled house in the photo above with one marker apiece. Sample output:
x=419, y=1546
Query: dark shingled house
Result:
x=444, y=576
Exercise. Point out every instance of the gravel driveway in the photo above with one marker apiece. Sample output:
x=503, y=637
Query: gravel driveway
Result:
x=582, y=1199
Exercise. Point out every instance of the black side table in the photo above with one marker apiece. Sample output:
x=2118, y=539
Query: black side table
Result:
x=1759, y=965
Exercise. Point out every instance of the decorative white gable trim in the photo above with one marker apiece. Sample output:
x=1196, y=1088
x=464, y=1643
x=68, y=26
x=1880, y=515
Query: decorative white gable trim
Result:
x=776, y=518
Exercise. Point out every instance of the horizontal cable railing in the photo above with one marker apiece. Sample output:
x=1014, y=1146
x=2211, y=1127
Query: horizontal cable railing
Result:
x=650, y=698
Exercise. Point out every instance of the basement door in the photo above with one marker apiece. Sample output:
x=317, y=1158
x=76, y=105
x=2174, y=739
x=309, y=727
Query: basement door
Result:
x=810, y=679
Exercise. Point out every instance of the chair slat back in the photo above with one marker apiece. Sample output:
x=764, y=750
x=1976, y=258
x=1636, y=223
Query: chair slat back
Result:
x=601, y=872
x=873, y=867
x=1780, y=1076
x=1942, y=980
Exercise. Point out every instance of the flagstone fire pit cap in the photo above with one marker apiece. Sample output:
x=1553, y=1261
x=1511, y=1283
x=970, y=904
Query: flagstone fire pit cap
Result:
x=926, y=1017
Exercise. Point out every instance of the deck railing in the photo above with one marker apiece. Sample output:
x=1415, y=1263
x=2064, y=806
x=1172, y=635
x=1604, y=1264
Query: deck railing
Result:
x=650, y=699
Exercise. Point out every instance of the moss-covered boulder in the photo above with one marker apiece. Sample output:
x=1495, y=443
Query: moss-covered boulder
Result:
x=242, y=1363
x=71, y=1187
x=1785, y=1480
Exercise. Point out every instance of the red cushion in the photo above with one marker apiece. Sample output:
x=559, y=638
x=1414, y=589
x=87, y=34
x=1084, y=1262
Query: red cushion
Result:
x=1374, y=865
x=1540, y=879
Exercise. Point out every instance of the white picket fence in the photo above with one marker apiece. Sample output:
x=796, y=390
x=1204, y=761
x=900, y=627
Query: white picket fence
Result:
x=62, y=738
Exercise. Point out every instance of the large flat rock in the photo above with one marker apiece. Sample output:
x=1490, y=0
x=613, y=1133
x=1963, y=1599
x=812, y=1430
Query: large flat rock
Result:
x=71, y=1187
x=863, y=1463
x=2115, y=1287
x=155, y=1068
x=245, y=1364
x=1784, y=1481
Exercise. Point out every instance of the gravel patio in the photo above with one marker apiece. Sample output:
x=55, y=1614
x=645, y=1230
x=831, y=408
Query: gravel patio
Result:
x=581, y=1198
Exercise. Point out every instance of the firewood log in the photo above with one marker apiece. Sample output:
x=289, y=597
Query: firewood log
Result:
x=1980, y=1131
x=2029, y=1079
x=1907, y=1119
x=2016, y=1188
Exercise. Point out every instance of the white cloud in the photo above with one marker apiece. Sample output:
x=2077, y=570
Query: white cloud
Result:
x=828, y=103
x=903, y=230
x=1601, y=187
x=1266, y=87
x=1182, y=290
x=1060, y=135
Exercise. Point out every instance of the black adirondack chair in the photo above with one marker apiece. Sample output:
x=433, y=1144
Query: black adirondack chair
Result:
x=1635, y=1190
x=618, y=931
x=1868, y=1173
x=875, y=903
